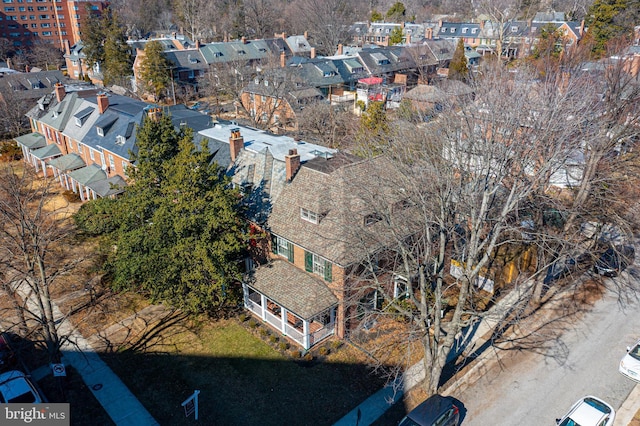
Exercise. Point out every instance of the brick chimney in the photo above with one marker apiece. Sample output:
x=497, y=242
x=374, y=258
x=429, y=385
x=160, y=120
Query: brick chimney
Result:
x=197, y=44
x=244, y=40
x=408, y=42
x=340, y=49
x=306, y=35
x=283, y=60
x=236, y=143
x=154, y=113
x=292, y=163
x=103, y=103
x=313, y=52
x=60, y=92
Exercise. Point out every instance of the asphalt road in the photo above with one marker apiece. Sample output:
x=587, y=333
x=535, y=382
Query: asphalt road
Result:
x=527, y=388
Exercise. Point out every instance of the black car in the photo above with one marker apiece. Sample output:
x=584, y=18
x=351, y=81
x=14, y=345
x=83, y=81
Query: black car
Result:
x=614, y=260
x=437, y=410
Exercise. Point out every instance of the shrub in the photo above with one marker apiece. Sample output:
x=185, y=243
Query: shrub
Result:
x=283, y=346
x=243, y=317
x=308, y=356
x=263, y=332
x=336, y=344
x=273, y=338
x=324, y=351
x=295, y=353
x=252, y=323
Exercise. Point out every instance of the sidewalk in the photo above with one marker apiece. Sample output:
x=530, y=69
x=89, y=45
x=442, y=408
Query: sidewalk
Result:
x=629, y=407
x=472, y=340
x=116, y=399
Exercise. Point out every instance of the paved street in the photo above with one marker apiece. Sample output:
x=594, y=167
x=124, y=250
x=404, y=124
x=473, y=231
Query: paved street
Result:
x=529, y=388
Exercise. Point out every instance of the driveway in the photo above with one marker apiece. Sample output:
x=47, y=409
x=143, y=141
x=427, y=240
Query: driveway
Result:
x=538, y=385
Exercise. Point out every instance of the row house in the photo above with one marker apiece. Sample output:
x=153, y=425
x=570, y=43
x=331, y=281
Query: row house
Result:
x=379, y=33
x=85, y=139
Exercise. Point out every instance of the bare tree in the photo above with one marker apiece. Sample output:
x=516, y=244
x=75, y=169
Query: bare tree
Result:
x=13, y=108
x=32, y=235
x=481, y=200
x=261, y=18
x=44, y=55
x=326, y=124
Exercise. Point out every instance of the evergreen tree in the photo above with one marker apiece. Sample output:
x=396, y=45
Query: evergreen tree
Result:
x=154, y=69
x=396, y=12
x=376, y=16
x=610, y=19
x=117, y=57
x=177, y=229
x=459, y=67
x=105, y=44
x=373, y=135
x=396, y=36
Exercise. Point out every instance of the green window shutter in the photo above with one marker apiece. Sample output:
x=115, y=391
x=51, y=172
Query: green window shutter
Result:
x=308, y=261
x=290, y=251
x=274, y=244
x=327, y=271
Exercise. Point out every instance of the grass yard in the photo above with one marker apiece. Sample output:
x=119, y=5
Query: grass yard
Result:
x=242, y=380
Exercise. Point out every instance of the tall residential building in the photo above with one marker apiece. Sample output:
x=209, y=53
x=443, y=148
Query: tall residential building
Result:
x=24, y=22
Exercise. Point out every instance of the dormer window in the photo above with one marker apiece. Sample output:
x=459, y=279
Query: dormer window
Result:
x=464, y=30
x=453, y=30
x=309, y=215
x=443, y=30
x=514, y=29
x=120, y=140
x=100, y=131
x=81, y=116
x=474, y=30
x=193, y=60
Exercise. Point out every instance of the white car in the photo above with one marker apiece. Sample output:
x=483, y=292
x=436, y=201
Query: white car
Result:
x=589, y=411
x=16, y=387
x=630, y=363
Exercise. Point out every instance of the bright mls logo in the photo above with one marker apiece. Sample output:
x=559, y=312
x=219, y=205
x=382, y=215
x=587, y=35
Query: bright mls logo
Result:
x=37, y=414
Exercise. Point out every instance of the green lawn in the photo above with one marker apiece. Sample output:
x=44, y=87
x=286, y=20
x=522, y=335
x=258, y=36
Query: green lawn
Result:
x=243, y=381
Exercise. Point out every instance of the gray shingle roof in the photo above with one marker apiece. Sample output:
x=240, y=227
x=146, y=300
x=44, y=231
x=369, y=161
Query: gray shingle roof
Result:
x=335, y=189
x=299, y=292
x=32, y=140
x=88, y=174
x=106, y=187
x=67, y=162
x=48, y=151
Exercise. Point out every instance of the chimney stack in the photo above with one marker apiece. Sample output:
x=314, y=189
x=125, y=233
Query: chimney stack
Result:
x=340, y=49
x=292, y=163
x=60, y=92
x=197, y=44
x=236, y=143
x=306, y=35
x=313, y=52
x=103, y=103
x=283, y=60
x=244, y=40
x=154, y=113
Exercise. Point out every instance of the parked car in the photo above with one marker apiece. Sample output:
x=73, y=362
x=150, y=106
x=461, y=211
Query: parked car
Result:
x=614, y=260
x=630, y=363
x=437, y=410
x=566, y=265
x=589, y=411
x=15, y=386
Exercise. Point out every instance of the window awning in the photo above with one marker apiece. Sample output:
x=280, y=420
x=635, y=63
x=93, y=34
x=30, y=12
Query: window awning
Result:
x=293, y=289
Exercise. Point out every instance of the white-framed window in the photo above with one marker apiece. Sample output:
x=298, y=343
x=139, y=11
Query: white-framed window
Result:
x=100, y=131
x=112, y=162
x=309, y=215
x=80, y=150
x=282, y=247
x=124, y=168
x=318, y=265
x=92, y=154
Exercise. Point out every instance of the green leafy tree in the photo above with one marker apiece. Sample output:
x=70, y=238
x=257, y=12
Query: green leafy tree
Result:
x=611, y=19
x=396, y=36
x=178, y=231
x=396, y=12
x=459, y=67
x=154, y=69
x=376, y=16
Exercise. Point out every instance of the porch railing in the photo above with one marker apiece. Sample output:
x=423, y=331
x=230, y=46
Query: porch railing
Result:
x=274, y=320
x=324, y=332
